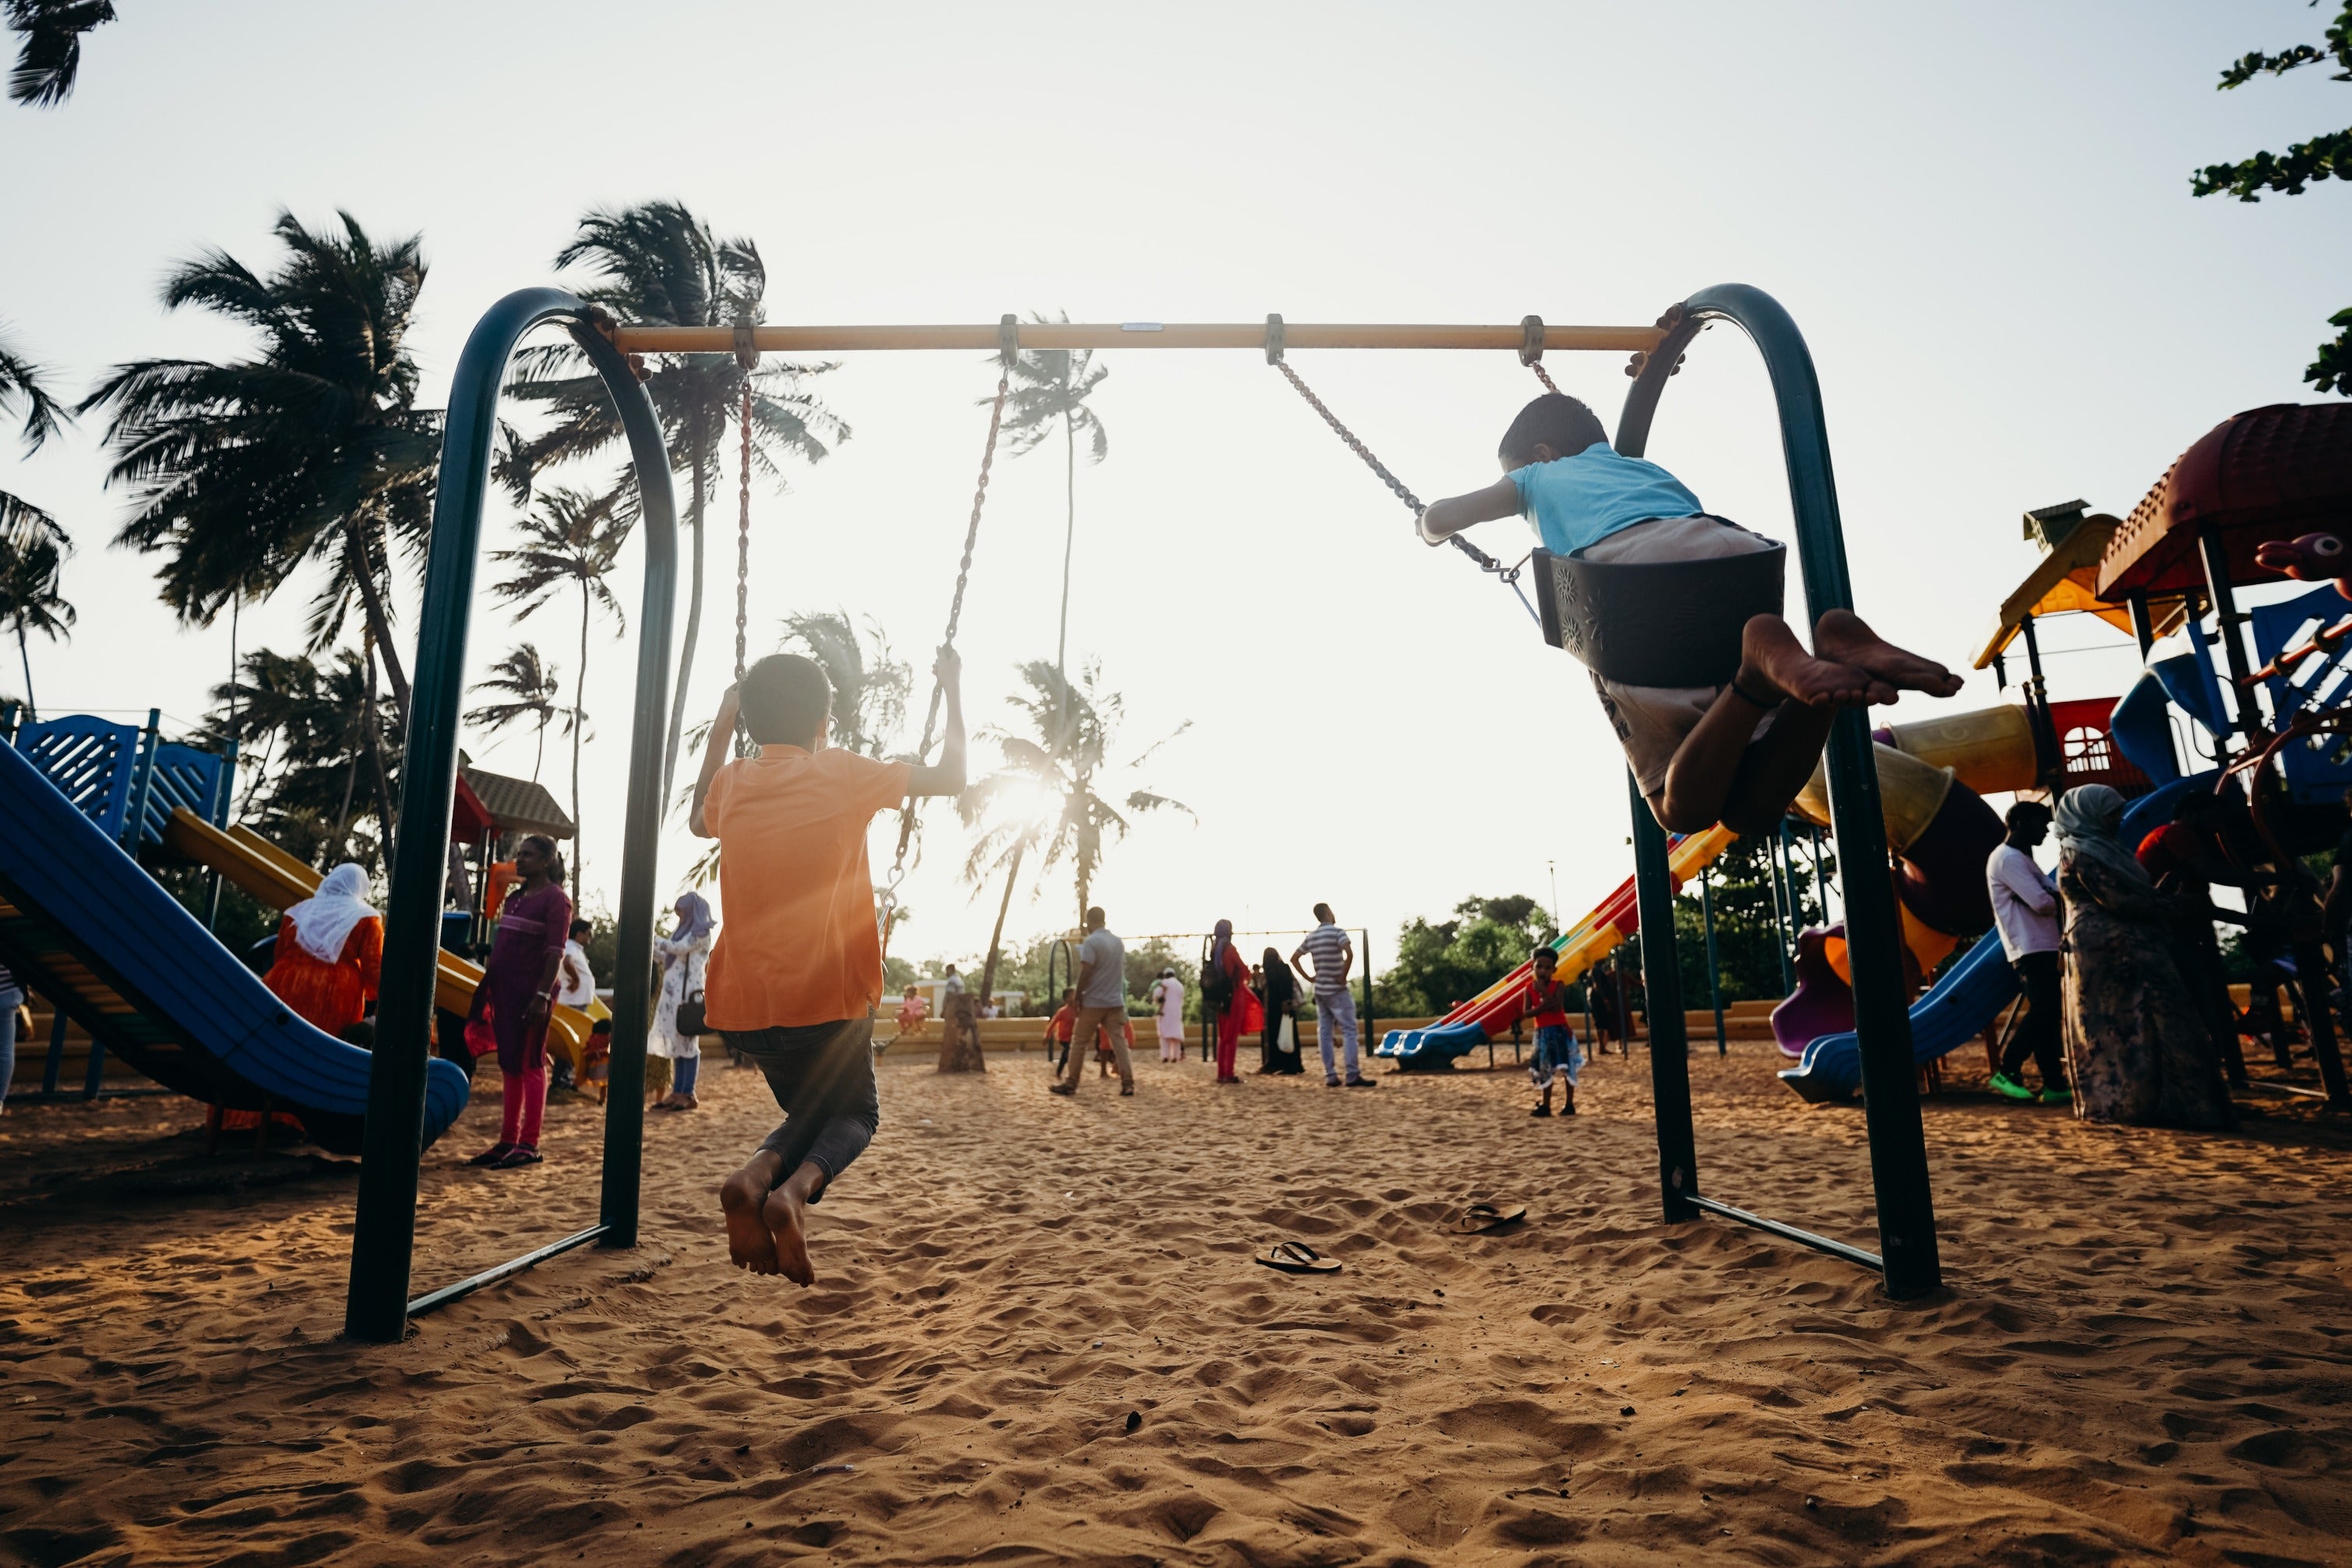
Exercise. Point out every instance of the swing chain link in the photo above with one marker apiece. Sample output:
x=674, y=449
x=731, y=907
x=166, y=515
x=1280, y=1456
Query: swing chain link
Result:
x=1509, y=575
x=747, y=356
x=1531, y=347
x=889, y=899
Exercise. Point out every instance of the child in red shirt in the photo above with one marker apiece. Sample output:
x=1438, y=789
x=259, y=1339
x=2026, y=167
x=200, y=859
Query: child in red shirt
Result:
x=1556, y=1053
x=1060, y=1028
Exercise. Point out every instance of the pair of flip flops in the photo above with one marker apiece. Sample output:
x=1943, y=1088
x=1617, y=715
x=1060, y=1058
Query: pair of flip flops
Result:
x=1297, y=1257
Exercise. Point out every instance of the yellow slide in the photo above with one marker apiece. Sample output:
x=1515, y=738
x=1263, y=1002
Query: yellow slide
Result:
x=281, y=881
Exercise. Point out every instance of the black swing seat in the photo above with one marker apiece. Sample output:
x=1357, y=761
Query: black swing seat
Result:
x=1658, y=624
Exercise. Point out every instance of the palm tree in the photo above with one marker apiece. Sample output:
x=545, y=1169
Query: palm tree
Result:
x=1049, y=791
x=312, y=717
x=1050, y=388
x=50, y=57
x=312, y=450
x=870, y=687
x=572, y=538
x=657, y=263
x=29, y=600
x=33, y=544
x=530, y=688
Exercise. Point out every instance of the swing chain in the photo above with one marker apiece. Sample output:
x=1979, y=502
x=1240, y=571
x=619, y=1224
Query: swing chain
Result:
x=889, y=899
x=747, y=356
x=1509, y=576
x=1531, y=347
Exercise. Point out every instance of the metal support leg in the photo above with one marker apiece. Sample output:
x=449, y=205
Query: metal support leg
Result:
x=97, y=1068
x=1669, y=1046
x=51, y=1069
x=2311, y=966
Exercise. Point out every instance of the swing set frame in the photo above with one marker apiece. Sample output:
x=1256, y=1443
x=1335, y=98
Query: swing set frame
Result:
x=378, y=1307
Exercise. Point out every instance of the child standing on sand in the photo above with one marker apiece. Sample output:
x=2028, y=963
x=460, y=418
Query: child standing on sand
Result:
x=1736, y=753
x=1556, y=1053
x=797, y=972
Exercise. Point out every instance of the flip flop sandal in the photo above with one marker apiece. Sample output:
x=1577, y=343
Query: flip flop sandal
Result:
x=1480, y=1217
x=492, y=1155
x=519, y=1155
x=1297, y=1257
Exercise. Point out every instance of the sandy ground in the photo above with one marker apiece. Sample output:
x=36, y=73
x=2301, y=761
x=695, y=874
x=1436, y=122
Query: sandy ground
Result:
x=1038, y=1337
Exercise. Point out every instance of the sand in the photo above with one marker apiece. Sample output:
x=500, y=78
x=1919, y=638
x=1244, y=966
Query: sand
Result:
x=1038, y=1336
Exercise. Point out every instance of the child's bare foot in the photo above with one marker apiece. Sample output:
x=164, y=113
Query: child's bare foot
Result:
x=1841, y=635
x=749, y=1241
x=1770, y=654
x=786, y=1217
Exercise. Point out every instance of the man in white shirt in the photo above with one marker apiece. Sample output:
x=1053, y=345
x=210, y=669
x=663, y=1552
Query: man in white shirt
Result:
x=1335, y=1007
x=2025, y=911
x=576, y=988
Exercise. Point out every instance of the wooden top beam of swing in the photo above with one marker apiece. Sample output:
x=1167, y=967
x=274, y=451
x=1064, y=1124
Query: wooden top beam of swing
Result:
x=772, y=339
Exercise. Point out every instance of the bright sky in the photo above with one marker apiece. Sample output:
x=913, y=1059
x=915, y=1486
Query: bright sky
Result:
x=1981, y=220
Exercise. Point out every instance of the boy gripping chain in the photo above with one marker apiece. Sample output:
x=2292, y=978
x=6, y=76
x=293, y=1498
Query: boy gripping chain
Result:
x=797, y=972
x=1699, y=760
x=1556, y=1054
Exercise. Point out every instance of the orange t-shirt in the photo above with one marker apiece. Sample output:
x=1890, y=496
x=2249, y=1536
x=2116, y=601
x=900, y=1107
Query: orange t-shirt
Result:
x=799, y=945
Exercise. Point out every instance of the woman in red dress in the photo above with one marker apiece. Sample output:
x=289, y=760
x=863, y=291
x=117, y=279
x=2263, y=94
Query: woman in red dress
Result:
x=1241, y=1010
x=330, y=954
x=325, y=969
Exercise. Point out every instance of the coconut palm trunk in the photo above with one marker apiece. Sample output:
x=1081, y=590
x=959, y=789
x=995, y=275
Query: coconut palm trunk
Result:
x=374, y=742
x=996, y=936
x=379, y=622
x=693, y=625
x=579, y=720
x=1069, y=538
x=32, y=708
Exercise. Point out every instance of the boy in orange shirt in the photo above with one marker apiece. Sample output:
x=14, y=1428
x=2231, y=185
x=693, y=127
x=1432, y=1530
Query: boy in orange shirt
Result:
x=797, y=971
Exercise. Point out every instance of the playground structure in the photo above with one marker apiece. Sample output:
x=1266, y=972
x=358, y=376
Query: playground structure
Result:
x=119, y=777
x=118, y=955
x=383, y=1245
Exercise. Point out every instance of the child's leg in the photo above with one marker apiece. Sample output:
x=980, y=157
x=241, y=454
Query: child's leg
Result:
x=832, y=1116
x=1776, y=675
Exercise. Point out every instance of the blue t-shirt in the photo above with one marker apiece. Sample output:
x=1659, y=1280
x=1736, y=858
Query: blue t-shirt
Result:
x=1581, y=500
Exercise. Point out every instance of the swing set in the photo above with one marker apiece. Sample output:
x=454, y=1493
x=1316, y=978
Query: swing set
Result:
x=378, y=1306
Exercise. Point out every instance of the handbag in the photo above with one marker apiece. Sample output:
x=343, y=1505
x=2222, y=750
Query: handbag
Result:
x=690, y=1021
x=1286, y=1039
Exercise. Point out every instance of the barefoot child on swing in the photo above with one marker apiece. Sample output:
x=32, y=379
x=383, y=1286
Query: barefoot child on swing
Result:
x=797, y=972
x=1734, y=751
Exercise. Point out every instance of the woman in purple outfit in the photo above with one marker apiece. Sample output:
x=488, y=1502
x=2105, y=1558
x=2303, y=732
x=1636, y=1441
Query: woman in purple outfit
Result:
x=517, y=990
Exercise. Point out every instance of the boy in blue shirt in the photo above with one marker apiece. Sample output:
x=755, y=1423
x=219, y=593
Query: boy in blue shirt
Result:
x=1735, y=754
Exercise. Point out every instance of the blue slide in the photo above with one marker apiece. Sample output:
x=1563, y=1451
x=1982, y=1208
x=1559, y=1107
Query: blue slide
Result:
x=1963, y=1004
x=91, y=931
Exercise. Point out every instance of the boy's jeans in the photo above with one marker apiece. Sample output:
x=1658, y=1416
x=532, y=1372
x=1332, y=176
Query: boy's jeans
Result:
x=822, y=1075
x=1335, y=1014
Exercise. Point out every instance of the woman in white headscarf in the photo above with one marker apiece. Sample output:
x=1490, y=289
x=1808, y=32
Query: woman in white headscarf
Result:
x=2136, y=1047
x=330, y=953
x=684, y=955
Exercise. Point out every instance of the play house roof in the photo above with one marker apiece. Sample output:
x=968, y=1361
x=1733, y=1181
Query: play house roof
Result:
x=2065, y=583
x=2270, y=473
x=507, y=805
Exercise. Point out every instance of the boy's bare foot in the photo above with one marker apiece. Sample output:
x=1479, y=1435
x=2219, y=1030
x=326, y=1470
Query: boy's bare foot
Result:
x=1843, y=635
x=749, y=1241
x=786, y=1217
x=1771, y=656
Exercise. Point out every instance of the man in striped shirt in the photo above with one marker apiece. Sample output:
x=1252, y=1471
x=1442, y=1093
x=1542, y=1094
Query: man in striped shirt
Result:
x=1335, y=1009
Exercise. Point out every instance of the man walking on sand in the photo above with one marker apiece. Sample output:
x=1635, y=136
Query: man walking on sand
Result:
x=1335, y=1009
x=1102, y=1004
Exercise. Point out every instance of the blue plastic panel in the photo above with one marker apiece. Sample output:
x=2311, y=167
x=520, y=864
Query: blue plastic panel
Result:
x=2318, y=767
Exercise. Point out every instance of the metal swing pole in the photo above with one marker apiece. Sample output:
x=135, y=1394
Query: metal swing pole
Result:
x=1898, y=1147
x=384, y=1231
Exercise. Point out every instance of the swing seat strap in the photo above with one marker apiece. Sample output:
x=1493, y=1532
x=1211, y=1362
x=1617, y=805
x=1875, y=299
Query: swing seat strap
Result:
x=1658, y=624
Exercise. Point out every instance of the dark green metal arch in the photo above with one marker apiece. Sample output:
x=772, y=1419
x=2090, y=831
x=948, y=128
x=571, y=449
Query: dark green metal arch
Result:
x=1898, y=1152
x=384, y=1237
